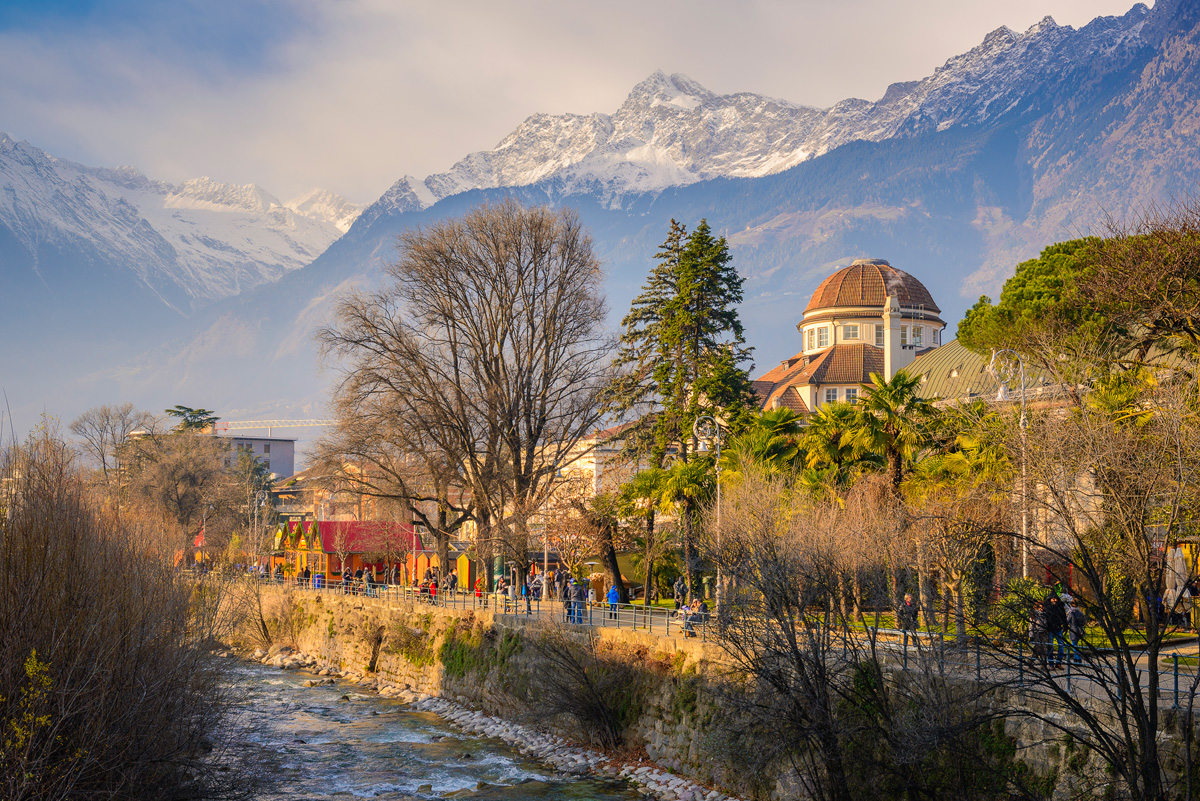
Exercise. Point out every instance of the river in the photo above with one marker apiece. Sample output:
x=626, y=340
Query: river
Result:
x=311, y=744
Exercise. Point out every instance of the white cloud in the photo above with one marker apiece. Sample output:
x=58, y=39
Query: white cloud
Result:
x=369, y=90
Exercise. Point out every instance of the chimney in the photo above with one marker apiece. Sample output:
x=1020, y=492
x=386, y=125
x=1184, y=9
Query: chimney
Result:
x=893, y=359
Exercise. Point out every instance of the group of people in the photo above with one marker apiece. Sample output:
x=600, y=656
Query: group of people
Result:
x=359, y=582
x=433, y=581
x=692, y=615
x=576, y=595
x=1056, y=628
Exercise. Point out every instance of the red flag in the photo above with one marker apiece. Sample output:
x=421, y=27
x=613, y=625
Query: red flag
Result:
x=199, y=543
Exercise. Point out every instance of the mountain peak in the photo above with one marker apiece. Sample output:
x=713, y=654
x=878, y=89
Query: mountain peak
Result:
x=677, y=90
x=1043, y=25
x=1002, y=36
x=205, y=193
x=325, y=206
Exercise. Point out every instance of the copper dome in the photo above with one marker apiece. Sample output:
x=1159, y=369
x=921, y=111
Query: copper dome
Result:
x=869, y=282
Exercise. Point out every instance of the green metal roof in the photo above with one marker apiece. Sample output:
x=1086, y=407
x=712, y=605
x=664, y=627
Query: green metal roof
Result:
x=952, y=371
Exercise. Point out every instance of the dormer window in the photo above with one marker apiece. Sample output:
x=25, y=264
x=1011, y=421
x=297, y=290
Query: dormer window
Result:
x=812, y=339
x=823, y=337
x=918, y=336
x=849, y=332
x=904, y=335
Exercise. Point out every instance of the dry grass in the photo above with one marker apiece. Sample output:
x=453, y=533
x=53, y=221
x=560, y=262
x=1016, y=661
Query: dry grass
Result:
x=106, y=687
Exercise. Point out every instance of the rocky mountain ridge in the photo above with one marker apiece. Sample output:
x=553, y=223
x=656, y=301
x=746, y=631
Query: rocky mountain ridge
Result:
x=671, y=131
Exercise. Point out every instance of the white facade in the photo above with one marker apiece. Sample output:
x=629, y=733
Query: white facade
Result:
x=276, y=453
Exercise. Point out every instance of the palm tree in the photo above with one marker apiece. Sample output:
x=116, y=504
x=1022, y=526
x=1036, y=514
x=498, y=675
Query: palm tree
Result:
x=770, y=441
x=639, y=500
x=891, y=421
x=684, y=487
x=829, y=454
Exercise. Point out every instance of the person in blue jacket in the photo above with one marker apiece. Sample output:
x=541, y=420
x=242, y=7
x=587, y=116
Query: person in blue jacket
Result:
x=613, y=597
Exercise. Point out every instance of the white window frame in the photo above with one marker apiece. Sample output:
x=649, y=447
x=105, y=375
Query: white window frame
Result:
x=851, y=394
x=903, y=335
x=812, y=339
x=823, y=337
x=918, y=336
x=937, y=336
x=850, y=331
x=831, y=394
x=880, y=331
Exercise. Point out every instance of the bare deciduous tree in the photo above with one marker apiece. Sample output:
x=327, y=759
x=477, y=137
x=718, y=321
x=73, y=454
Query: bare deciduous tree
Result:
x=489, y=342
x=105, y=429
x=376, y=457
x=183, y=479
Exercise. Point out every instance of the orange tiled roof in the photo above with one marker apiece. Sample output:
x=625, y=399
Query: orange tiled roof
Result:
x=841, y=364
x=844, y=364
x=869, y=282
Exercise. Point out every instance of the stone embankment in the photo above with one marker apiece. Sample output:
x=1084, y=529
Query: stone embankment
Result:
x=556, y=751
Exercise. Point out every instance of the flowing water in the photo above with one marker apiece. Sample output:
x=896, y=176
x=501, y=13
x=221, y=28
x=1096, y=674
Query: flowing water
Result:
x=311, y=744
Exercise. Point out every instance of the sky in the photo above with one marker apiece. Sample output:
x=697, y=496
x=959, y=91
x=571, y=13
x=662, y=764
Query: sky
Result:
x=351, y=95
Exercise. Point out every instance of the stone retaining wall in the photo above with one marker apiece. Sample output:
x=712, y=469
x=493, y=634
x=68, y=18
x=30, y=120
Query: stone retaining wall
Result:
x=400, y=646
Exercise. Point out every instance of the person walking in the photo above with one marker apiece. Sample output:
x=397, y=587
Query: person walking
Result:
x=568, y=605
x=1076, y=623
x=613, y=598
x=580, y=601
x=680, y=590
x=906, y=615
x=1056, y=626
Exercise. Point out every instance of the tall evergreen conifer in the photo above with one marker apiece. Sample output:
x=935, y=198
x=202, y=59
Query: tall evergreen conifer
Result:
x=682, y=352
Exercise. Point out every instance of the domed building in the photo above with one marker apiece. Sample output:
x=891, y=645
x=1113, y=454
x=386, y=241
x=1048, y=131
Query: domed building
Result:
x=865, y=318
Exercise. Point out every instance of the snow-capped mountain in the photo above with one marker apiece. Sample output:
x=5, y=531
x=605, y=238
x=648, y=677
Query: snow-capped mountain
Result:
x=188, y=243
x=671, y=131
x=1028, y=139
x=320, y=204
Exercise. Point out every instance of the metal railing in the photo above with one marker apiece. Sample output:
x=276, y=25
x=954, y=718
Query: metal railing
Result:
x=653, y=620
x=1015, y=664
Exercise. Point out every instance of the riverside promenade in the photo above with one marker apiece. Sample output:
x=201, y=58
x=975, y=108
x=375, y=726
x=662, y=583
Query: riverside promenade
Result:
x=1013, y=666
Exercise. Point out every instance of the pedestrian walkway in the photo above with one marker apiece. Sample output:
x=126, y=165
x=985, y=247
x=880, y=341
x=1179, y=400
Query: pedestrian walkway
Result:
x=1015, y=666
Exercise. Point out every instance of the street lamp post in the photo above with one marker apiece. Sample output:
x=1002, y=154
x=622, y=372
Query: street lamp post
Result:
x=260, y=500
x=705, y=428
x=1004, y=374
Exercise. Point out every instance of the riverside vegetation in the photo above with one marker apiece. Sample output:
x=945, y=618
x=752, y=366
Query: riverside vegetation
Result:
x=665, y=705
x=107, y=686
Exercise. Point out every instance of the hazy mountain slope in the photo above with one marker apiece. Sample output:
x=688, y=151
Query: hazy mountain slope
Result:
x=187, y=244
x=1025, y=140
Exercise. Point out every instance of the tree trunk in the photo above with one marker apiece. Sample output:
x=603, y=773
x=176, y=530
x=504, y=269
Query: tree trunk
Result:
x=923, y=594
x=443, y=540
x=856, y=594
x=609, y=555
x=960, y=613
x=690, y=555
x=650, y=593
x=843, y=596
